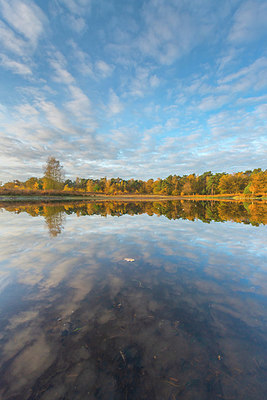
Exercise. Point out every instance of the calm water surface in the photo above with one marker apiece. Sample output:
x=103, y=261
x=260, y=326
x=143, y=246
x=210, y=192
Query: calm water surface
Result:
x=133, y=301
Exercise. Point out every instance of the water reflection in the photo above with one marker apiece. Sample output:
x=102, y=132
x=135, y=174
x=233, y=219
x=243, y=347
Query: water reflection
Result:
x=186, y=319
x=206, y=211
x=54, y=217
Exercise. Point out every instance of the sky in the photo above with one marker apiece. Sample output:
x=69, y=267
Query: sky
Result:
x=132, y=88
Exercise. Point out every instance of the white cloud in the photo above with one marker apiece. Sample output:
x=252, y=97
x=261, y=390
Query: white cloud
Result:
x=14, y=66
x=77, y=24
x=139, y=83
x=12, y=42
x=73, y=13
x=79, y=105
x=3, y=111
x=26, y=110
x=78, y=7
x=25, y=17
x=125, y=139
x=54, y=116
x=172, y=30
x=104, y=69
x=81, y=59
x=143, y=81
x=206, y=93
x=251, y=100
x=250, y=22
x=244, y=125
x=228, y=57
x=154, y=81
x=260, y=63
x=172, y=123
x=261, y=112
x=248, y=79
x=61, y=73
x=114, y=106
x=213, y=102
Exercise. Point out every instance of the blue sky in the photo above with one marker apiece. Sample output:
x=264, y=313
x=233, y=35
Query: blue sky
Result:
x=143, y=88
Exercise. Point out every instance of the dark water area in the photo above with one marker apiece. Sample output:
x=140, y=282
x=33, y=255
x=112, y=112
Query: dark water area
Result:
x=133, y=301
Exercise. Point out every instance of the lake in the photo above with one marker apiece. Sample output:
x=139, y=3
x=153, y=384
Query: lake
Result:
x=141, y=300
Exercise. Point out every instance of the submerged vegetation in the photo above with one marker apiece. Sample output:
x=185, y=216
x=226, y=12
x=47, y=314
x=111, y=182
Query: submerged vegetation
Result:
x=248, y=183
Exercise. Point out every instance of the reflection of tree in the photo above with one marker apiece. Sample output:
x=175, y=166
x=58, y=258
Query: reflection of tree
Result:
x=55, y=218
x=233, y=212
x=206, y=211
x=258, y=213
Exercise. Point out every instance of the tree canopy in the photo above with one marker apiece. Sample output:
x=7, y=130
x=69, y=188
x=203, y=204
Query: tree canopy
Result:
x=53, y=174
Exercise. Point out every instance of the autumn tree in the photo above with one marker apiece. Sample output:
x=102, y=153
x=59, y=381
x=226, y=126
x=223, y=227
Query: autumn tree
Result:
x=212, y=183
x=233, y=183
x=157, y=186
x=32, y=183
x=149, y=186
x=258, y=182
x=203, y=183
x=190, y=185
x=90, y=185
x=53, y=175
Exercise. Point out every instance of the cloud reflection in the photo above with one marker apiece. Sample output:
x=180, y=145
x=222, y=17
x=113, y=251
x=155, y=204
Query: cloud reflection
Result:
x=79, y=319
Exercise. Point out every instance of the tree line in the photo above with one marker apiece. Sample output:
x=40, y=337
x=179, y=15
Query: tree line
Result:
x=250, y=182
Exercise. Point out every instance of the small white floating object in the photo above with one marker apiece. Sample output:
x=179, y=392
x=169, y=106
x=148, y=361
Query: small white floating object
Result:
x=129, y=259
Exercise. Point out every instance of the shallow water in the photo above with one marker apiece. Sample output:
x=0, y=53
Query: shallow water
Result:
x=185, y=320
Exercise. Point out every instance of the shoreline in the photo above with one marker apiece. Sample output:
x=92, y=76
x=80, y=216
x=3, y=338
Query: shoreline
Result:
x=125, y=198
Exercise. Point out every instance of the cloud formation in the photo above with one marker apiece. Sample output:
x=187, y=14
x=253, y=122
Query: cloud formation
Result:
x=25, y=17
x=249, y=22
x=131, y=90
x=14, y=66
